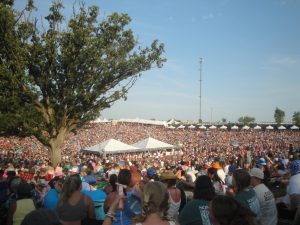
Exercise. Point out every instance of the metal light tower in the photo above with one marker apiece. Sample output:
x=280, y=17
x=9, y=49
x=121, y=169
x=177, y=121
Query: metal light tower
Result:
x=200, y=116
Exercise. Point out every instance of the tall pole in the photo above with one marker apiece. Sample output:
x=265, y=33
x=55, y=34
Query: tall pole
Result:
x=200, y=116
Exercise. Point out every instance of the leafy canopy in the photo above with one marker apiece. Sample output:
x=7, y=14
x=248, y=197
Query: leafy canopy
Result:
x=55, y=80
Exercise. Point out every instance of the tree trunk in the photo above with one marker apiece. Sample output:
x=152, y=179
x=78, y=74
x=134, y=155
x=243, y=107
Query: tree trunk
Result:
x=56, y=144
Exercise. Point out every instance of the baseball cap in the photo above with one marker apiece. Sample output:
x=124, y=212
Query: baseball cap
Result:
x=256, y=172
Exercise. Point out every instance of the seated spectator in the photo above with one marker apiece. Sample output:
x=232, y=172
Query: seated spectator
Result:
x=225, y=210
x=24, y=205
x=74, y=206
x=244, y=194
x=52, y=196
x=155, y=205
x=216, y=180
x=196, y=211
x=268, y=211
x=290, y=209
x=41, y=217
x=169, y=178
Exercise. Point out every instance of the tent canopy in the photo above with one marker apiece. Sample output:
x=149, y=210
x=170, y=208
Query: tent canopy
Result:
x=212, y=127
x=269, y=127
x=223, y=127
x=110, y=146
x=294, y=127
x=281, y=127
x=191, y=126
x=152, y=144
x=202, y=127
x=234, y=127
x=245, y=127
x=181, y=127
x=257, y=127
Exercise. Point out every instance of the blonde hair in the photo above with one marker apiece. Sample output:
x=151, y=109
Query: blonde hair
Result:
x=155, y=199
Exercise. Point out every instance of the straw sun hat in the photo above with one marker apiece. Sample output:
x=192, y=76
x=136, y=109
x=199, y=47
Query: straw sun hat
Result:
x=168, y=175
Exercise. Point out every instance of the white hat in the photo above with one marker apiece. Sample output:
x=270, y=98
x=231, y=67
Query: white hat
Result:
x=256, y=172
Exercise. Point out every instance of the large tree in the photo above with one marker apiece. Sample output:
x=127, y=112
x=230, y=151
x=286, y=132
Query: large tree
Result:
x=54, y=79
x=279, y=115
x=246, y=120
x=296, y=118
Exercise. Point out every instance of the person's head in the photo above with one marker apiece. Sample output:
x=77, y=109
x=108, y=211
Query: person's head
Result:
x=155, y=199
x=168, y=177
x=224, y=210
x=71, y=184
x=58, y=184
x=213, y=174
x=13, y=184
x=295, y=167
x=257, y=176
x=135, y=178
x=241, y=179
x=204, y=188
x=124, y=177
x=24, y=190
x=41, y=216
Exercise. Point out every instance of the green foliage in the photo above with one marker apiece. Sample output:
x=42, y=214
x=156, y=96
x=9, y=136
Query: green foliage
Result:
x=246, y=120
x=224, y=120
x=279, y=115
x=296, y=118
x=54, y=81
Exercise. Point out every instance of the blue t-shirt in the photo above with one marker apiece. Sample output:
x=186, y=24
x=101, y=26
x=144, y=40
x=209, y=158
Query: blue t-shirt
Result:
x=97, y=195
x=51, y=199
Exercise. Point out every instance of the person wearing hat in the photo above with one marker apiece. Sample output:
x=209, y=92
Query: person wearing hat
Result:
x=169, y=178
x=196, y=210
x=265, y=197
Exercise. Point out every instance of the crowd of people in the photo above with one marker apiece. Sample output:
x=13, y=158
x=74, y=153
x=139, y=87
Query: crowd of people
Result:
x=214, y=177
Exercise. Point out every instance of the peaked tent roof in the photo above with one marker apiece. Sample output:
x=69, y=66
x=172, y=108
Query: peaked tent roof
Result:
x=152, y=144
x=111, y=146
x=223, y=127
x=281, y=127
x=257, y=127
x=191, y=126
x=294, y=127
x=212, y=127
x=245, y=127
x=269, y=127
x=202, y=127
x=234, y=127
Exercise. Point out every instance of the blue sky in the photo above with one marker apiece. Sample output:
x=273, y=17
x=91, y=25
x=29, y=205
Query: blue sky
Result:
x=250, y=51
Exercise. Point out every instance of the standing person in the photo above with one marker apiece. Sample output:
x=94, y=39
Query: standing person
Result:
x=216, y=180
x=155, y=205
x=24, y=205
x=52, y=196
x=169, y=178
x=244, y=194
x=74, y=206
x=225, y=210
x=196, y=211
x=123, y=185
x=265, y=197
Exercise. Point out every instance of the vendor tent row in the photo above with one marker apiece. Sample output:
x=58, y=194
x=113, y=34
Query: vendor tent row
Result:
x=223, y=127
x=112, y=146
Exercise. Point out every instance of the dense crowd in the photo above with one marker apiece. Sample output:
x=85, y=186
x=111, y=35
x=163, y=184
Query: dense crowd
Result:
x=256, y=172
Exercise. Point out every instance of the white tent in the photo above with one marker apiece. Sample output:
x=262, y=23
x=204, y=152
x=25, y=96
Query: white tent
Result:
x=181, y=127
x=245, y=127
x=234, y=127
x=223, y=127
x=202, y=127
x=192, y=127
x=212, y=127
x=281, y=128
x=294, y=127
x=152, y=144
x=257, y=127
x=171, y=127
x=269, y=127
x=111, y=146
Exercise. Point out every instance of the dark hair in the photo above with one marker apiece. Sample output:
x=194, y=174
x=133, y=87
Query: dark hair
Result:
x=204, y=188
x=124, y=176
x=113, y=180
x=41, y=216
x=214, y=172
x=24, y=190
x=242, y=179
x=228, y=211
